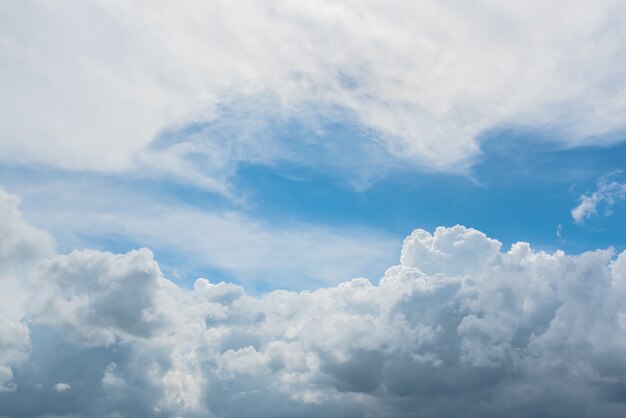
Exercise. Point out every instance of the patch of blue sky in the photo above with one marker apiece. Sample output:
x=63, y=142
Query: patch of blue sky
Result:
x=522, y=188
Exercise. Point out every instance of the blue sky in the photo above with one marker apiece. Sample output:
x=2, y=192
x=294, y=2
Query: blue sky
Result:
x=520, y=189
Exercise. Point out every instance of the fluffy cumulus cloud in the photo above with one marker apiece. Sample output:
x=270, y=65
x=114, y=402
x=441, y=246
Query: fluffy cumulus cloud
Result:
x=459, y=325
x=425, y=80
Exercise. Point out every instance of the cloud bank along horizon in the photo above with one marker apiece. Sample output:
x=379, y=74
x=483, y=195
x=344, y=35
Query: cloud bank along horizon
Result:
x=458, y=325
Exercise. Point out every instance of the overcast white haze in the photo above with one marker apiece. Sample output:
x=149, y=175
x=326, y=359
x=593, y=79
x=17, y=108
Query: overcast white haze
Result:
x=254, y=209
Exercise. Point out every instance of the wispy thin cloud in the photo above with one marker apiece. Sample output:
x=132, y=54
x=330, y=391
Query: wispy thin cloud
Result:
x=602, y=200
x=294, y=254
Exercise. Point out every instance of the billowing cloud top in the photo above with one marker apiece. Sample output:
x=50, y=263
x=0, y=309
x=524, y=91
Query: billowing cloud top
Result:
x=458, y=325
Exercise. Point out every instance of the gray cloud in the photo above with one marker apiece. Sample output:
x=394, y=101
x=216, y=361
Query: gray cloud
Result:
x=458, y=325
x=21, y=245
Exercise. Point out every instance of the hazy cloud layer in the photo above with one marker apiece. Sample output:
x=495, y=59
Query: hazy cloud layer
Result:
x=458, y=325
x=284, y=253
x=100, y=79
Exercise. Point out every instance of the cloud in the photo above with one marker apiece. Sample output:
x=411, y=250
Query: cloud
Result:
x=21, y=245
x=608, y=193
x=99, y=297
x=62, y=387
x=101, y=80
x=459, y=324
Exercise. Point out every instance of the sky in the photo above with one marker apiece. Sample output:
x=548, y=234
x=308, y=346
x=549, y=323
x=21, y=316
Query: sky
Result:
x=316, y=208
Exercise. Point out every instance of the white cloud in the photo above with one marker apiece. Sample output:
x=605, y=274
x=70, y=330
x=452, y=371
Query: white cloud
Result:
x=62, y=387
x=6, y=379
x=99, y=297
x=110, y=380
x=608, y=193
x=450, y=251
x=99, y=80
x=458, y=324
x=21, y=243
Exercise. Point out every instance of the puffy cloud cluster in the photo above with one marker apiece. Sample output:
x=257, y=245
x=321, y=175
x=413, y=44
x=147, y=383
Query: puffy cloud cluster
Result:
x=103, y=78
x=458, y=327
